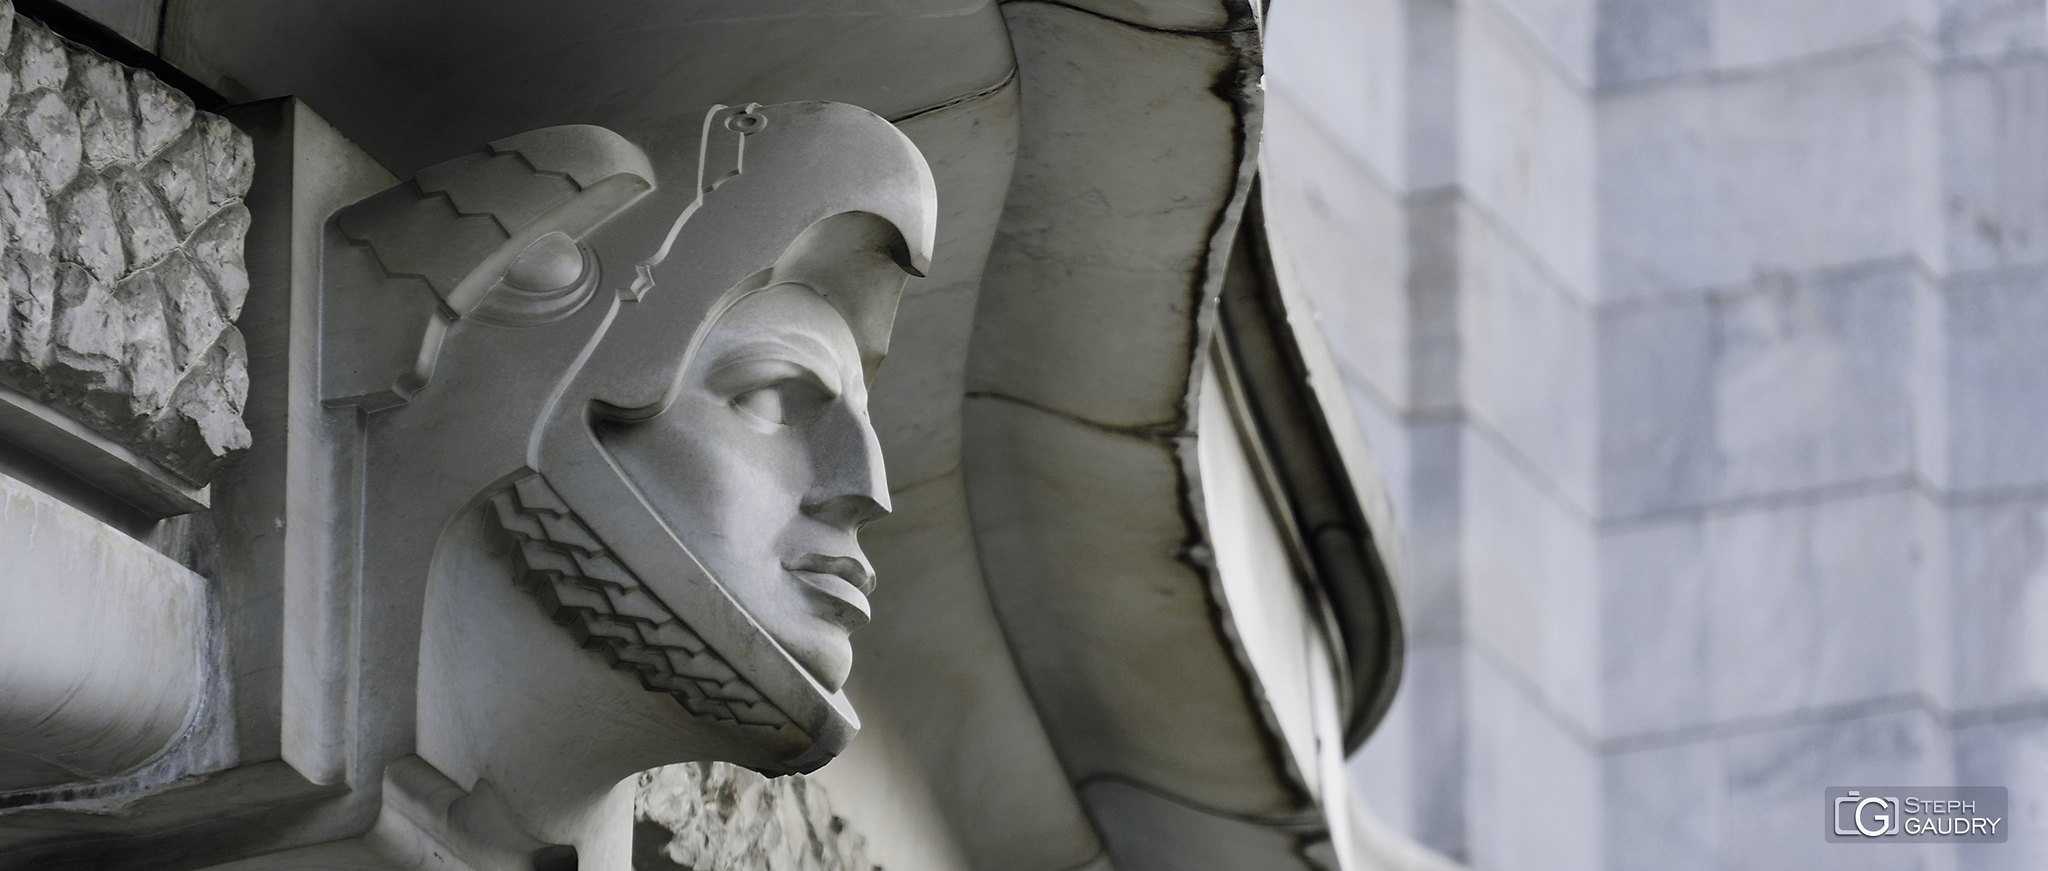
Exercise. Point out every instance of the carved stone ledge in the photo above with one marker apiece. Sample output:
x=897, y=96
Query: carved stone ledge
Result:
x=122, y=255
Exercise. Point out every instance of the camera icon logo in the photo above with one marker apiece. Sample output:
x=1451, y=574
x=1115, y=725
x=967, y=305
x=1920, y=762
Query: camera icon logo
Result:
x=1871, y=816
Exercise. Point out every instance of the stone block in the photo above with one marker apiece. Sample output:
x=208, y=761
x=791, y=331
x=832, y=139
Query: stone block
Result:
x=1992, y=28
x=37, y=59
x=1666, y=808
x=1436, y=245
x=1812, y=382
x=1563, y=29
x=1342, y=230
x=1997, y=382
x=1707, y=183
x=1411, y=772
x=1813, y=605
x=1432, y=608
x=1656, y=388
x=1776, y=777
x=1526, y=355
x=1432, y=134
x=31, y=307
x=1525, y=144
x=230, y=160
x=1656, y=662
x=1530, y=581
x=1533, y=787
x=1994, y=129
x=108, y=176
x=23, y=207
x=161, y=113
x=146, y=230
x=1640, y=40
x=1753, y=33
x=44, y=120
x=106, y=117
x=1998, y=567
x=2012, y=754
x=179, y=176
x=1342, y=64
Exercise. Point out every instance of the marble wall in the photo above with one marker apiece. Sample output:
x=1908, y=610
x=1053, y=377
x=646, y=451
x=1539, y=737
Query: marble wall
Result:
x=1702, y=342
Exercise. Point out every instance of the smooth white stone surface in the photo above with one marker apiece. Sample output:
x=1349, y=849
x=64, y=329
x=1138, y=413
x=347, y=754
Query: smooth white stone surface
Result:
x=1343, y=64
x=1534, y=800
x=1706, y=183
x=1530, y=589
x=1656, y=408
x=1256, y=572
x=1640, y=40
x=1411, y=772
x=1525, y=143
x=1997, y=382
x=1435, y=286
x=1341, y=229
x=101, y=645
x=1989, y=28
x=1667, y=808
x=1526, y=358
x=1561, y=28
x=1998, y=554
x=934, y=710
x=1159, y=191
x=1655, y=662
x=1811, y=382
x=1813, y=605
x=1774, y=781
x=1761, y=32
x=2015, y=755
x=1994, y=122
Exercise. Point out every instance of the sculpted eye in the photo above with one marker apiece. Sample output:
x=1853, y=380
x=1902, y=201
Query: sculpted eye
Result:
x=765, y=403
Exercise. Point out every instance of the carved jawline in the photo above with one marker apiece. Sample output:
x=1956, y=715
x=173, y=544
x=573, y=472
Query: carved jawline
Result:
x=608, y=610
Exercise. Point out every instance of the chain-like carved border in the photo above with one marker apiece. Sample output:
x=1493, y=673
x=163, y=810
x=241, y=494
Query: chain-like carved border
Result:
x=606, y=607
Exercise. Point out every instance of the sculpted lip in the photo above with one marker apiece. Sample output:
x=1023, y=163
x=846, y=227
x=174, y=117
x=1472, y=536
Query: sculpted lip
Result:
x=846, y=568
x=843, y=583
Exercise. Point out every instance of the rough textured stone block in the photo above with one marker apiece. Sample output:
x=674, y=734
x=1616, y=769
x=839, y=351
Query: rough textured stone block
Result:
x=123, y=256
x=1812, y=382
x=714, y=815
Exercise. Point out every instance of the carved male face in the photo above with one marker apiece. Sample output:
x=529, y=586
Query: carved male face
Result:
x=766, y=467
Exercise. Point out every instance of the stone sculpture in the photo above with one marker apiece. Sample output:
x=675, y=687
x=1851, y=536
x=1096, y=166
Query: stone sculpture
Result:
x=615, y=447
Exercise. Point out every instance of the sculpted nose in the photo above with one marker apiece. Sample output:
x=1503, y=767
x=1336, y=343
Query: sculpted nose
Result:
x=851, y=487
